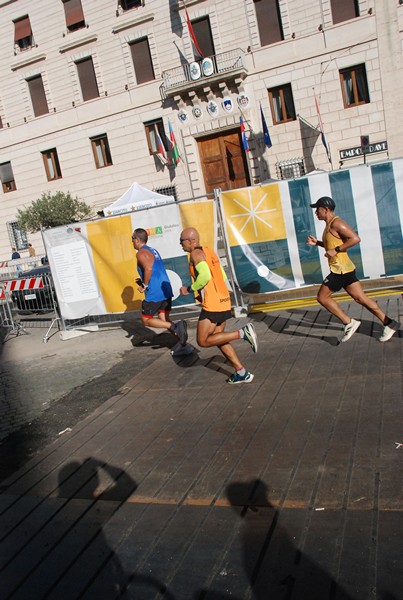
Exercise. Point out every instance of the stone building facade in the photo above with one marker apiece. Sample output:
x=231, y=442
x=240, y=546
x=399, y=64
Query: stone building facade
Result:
x=89, y=91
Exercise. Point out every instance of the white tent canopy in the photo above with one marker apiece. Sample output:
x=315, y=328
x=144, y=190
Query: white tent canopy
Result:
x=134, y=198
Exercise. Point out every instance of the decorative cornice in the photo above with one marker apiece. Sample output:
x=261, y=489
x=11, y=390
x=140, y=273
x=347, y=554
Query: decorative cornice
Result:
x=78, y=42
x=28, y=60
x=133, y=22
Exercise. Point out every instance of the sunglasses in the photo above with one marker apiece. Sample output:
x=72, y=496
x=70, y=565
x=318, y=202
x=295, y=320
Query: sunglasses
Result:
x=181, y=240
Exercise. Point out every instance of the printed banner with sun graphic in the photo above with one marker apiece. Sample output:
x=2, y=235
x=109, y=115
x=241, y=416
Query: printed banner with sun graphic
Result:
x=256, y=234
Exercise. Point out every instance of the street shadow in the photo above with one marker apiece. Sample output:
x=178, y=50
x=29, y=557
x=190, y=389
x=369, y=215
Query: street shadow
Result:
x=275, y=567
x=108, y=487
x=280, y=325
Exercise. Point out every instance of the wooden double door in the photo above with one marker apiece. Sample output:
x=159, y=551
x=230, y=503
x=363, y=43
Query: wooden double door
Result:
x=223, y=161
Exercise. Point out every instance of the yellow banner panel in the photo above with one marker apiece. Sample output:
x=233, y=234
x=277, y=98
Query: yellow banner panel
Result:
x=253, y=215
x=201, y=216
x=115, y=263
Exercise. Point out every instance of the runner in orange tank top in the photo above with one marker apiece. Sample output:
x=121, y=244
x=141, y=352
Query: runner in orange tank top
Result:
x=337, y=238
x=208, y=285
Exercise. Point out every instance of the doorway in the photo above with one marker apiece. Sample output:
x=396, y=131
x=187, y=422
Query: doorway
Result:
x=223, y=161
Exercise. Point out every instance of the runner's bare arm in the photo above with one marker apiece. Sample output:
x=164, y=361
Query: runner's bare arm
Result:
x=347, y=235
x=146, y=260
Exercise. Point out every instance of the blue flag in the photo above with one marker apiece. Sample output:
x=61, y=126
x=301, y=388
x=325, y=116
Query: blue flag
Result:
x=266, y=135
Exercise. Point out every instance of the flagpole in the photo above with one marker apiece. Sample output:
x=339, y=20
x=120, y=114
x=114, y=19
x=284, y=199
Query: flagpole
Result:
x=324, y=141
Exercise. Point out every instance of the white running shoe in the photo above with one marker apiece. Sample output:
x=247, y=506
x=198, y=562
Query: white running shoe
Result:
x=350, y=329
x=389, y=331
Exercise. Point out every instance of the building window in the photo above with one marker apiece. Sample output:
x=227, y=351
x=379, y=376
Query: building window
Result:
x=74, y=14
x=143, y=65
x=155, y=136
x=268, y=19
x=167, y=190
x=88, y=80
x=23, y=37
x=128, y=4
x=282, y=104
x=290, y=169
x=7, y=177
x=52, y=166
x=344, y=10
x=18, y=237
x=202, y=31
x=38, y=96
x=354, y=86
x=102, y=153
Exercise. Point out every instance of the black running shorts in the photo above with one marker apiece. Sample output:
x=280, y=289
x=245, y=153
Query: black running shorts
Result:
x=336, y=282
x=149, y=309
x=215, y=317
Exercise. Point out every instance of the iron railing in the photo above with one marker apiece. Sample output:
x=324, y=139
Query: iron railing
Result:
x=197, y=73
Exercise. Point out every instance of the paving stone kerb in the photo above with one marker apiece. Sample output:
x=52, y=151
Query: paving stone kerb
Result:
x=183, y=486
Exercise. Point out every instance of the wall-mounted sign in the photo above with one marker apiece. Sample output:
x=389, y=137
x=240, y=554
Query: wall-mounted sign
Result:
x=361, y=150
x=183, y=116
x=212, y=108
x=197, y=112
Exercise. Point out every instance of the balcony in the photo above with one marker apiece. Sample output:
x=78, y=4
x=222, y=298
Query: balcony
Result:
x=204, y=72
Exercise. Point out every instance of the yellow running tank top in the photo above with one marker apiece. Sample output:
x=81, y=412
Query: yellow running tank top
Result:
x=340, y=263
x=214, y=296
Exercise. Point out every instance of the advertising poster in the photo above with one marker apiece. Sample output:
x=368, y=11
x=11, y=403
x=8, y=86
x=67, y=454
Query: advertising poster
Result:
x=266, y=226
x=93, y=263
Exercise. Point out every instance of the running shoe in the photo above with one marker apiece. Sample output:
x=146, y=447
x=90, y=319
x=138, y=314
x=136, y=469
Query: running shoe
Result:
x=181, y=331
x=250, y=336
x=389, y=331
x=237, y=378
x=350, y=329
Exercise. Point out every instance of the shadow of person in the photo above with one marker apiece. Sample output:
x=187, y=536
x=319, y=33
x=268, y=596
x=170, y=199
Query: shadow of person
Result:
x=280, y=325
x=274, y=566
x=108, y=487
x=128, y=299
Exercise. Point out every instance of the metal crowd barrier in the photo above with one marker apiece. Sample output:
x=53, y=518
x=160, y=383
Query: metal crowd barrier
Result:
x=8, y=324
x=31, y=298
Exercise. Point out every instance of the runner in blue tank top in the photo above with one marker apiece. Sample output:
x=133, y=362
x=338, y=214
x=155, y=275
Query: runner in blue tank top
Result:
x=155, y=285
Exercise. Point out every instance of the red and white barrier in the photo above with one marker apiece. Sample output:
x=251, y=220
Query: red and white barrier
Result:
x=33, y=283
x=2, y=294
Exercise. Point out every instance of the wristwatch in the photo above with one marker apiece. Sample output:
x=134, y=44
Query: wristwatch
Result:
x=338, y=249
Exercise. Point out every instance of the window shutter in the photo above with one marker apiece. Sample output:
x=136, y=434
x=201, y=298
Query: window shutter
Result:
x=203, y=35
x=88, y=80
x=22, y=28
x=6, y=173
x=142, y=62
x=344, y=10
x=38, y=96
x=74, y=12
x=269, y=21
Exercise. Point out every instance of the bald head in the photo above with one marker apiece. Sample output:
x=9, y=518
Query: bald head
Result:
x=190, y=239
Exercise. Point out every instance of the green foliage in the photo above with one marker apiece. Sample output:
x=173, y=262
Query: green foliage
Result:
x=52, y=210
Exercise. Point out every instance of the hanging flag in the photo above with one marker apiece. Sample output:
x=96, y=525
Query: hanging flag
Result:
x=197, y=53
x=161, y=147
x=174, y=147
x=244, y=140
x=266, y=135
x=322, y=133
